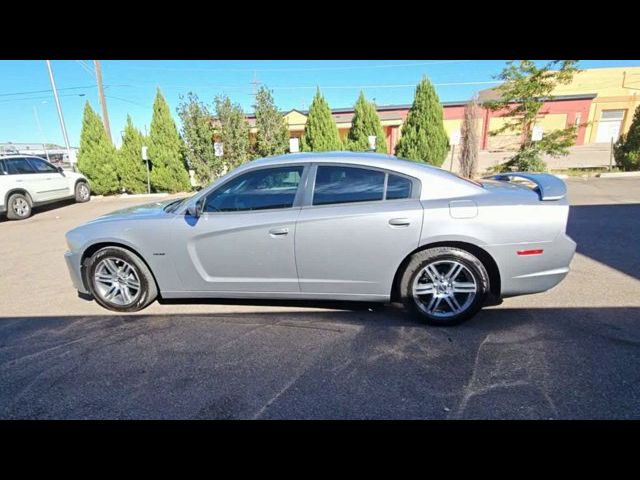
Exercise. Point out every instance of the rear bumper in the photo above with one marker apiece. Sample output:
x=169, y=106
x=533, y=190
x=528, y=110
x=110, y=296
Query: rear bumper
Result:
x=521, y=275
x=75, y=271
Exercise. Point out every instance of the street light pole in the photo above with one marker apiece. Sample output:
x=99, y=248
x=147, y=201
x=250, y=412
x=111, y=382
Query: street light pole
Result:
x=60, y=116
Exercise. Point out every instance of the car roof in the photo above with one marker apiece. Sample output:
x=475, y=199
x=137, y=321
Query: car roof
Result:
x=19, y=155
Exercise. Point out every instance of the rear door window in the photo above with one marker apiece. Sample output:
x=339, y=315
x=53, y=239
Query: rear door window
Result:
x=338, y=184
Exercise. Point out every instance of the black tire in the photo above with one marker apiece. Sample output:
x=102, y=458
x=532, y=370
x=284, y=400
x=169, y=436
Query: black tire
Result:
x=148, y=289
x=419, y=262
x=19, y=206
x=83, y=192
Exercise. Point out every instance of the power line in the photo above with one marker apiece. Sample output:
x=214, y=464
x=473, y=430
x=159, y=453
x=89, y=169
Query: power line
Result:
x=297, y=69
x=49, y=90
x=47, y=97
x=128, y=101
x=86, y=68
x=398, y=85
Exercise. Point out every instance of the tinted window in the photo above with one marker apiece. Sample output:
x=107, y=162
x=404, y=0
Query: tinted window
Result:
x=16, y=166
x=347, y=184
x=41, y=166
x=398, y=187
x=257, y=190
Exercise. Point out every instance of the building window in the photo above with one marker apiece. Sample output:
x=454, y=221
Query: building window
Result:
x=612, y=115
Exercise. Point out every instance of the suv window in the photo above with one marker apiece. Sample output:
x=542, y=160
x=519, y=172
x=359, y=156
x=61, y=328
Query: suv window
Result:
x=17, y=166
x=41, y=166
x=257, y=190
x=398, y=187
x=337, y=184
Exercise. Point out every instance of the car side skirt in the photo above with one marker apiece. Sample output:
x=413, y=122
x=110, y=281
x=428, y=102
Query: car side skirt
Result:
x=279, y=296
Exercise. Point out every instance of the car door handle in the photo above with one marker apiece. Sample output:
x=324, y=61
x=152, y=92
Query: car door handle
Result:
x=278, y=232
x=399, y=222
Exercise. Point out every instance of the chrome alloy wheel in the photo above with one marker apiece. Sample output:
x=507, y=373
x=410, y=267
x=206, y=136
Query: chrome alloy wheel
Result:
x=444, y=288
x=116, y=281
x=20, y=207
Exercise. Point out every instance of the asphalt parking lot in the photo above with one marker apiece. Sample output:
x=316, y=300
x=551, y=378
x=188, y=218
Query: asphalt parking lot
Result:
x=572, y=352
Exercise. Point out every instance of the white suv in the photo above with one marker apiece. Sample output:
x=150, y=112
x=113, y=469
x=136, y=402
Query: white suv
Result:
x=27, y=181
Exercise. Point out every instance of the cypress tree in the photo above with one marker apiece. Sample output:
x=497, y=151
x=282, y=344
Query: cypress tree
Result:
x=132, y=170
x=166, y=151
x=627, y=148
x=423, y=135
x=365, y=122
x=272, y=137
x=97, y=155
x=320, y=132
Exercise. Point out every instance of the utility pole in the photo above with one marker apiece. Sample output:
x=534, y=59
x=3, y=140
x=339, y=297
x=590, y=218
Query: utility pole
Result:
x=254, y=88
x=60, y=116
x=103, y=102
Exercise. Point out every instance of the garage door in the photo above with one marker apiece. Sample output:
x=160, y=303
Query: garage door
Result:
x=609, y=126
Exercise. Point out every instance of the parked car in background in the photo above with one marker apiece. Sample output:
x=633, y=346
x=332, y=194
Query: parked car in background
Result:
x=333, y=226
x=28, y=181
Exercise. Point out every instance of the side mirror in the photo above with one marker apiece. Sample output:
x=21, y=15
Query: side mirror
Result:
x=196, y=210
x=60, y=170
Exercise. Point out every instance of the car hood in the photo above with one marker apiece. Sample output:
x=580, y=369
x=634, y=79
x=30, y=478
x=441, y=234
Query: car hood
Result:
x=146, y=210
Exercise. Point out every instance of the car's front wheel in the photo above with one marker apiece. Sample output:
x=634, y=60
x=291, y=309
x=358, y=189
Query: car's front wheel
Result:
x=119, y=280
x=18, y=206
x=444, y=285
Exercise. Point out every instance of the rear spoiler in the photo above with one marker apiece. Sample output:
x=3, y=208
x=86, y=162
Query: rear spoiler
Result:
x=548, y=187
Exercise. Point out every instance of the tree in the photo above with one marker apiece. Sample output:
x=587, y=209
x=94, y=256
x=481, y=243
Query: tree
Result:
x=272, y=137
x=132, y=171
x=97, y=155
x=627, y=148
x=320, y=132
x=198, y=134
x=423, y=137
x=166, y=151
x=469, y=140
x=523, y=92
x=233, y=131
x=365, y=122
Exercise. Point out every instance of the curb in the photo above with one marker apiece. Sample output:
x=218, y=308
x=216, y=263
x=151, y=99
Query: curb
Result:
x=136, y=195
x=619, y=174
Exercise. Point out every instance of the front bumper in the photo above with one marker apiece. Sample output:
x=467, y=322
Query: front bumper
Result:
x=75, y=270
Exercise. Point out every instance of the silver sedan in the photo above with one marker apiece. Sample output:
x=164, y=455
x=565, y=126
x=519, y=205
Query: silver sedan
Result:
x=334, y=226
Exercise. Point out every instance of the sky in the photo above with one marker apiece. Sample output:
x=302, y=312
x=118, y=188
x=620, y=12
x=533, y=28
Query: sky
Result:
x=28, y=112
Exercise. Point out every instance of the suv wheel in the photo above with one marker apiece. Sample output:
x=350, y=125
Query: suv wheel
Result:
x=444, y=285
x=18, y=206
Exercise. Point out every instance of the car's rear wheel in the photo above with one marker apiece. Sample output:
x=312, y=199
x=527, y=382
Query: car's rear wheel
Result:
x=444, y=285
x=18, y=206
x=119, y=280
x=83, y=193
